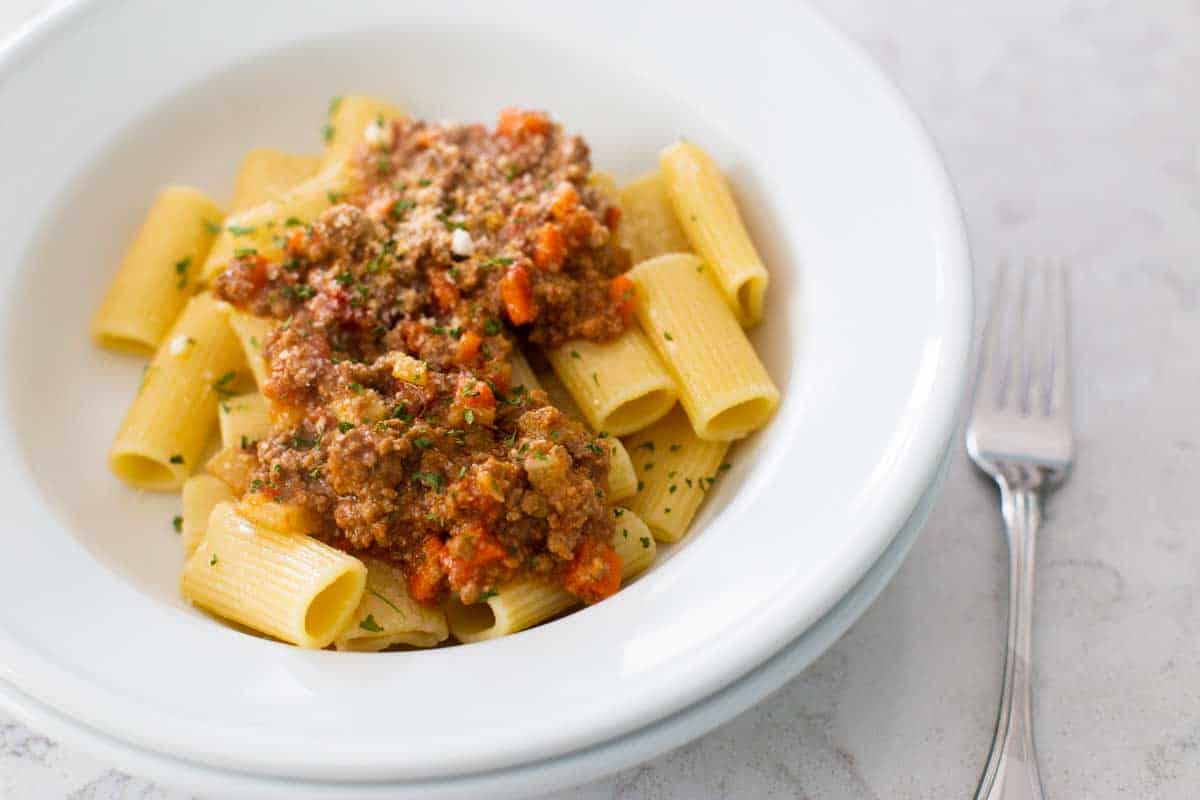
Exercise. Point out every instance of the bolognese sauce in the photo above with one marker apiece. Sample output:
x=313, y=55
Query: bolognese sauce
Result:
x=396, y=418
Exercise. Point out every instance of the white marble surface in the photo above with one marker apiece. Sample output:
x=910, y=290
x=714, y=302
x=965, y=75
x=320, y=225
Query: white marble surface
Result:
x=1071, y=130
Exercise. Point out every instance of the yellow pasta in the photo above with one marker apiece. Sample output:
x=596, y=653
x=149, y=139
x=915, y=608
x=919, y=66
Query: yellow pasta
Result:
x=676, y=469
x=289, y=586
x=244, y=420
x=264, y=228
x=174, y=413
x=252, y=332
x=201, y=493
x=723, y=386
x=705, y=208
x=523, y=604
x=348, y=123
x=522, y=373
x=268, y=174
x=648, y=225
x=159, y=272
x=278, y=516
x=388, y=616
x=620, y=386
x=233, y=466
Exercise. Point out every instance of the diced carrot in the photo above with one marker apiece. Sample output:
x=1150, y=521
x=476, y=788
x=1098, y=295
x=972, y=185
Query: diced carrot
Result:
x=296, y=240
x=517, y=294
x=517, y=124
x=470, y=551
x=550, y=249
x=444, y=291
x=381, y=207
x=595, y=572
x=425, y=582
x=468, y=348
x=254, y=268
x=478, y=394
x=622, y=292
x=612, y=217
x=566, y=201
x=579, y=226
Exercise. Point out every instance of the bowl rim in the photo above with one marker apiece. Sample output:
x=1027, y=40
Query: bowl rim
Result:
x=920, y=458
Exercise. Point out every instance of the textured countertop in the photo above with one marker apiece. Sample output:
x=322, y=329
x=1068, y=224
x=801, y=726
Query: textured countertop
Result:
x=1071, y=129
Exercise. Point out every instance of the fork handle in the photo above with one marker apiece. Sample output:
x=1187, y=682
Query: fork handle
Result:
x=1012, y=771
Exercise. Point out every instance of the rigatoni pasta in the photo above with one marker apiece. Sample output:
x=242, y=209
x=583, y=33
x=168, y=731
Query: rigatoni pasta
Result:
x=723, y=385
x=675, y=469
x=289, y=586
x=388, y=616
x=159, y=272
x=708, y=214
x=619, y=386
x=649, y=226
x=244, y=419
x=267, y=175
x=252, y=332
x=201, y=493
x=352, y=120
x=174, y=413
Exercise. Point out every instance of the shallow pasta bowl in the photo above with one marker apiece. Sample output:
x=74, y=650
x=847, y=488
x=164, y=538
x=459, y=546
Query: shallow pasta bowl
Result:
x=867, y=333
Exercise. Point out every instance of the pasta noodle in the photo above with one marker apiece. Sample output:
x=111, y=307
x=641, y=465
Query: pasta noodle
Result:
x=158, y=274
x=346, y=128
x=268, y=174
x=244, y=420
x=523, y=604
x=285, y=585
x=522, y=373
x=388, y=616
x=723, y=386
x=174, y=414
x=705, y=208
x=675, y=469
x=233, y=466
x=201, y=493
x=620, y=386
x=648, y=227
x=282, y=517
x=252, y=332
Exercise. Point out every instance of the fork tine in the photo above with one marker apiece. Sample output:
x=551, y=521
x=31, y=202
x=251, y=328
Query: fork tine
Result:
x=993, y=358
x=1058, y=296
x=1039, y=303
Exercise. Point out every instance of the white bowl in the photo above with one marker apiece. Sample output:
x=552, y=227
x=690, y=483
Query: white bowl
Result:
x=867, y=335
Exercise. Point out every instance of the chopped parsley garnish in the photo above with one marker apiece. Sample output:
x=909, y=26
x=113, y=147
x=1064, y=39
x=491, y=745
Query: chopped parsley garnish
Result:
x=488, y=595
x=393, y=606
x=399, y=208
x=675, y=448
x=344, y=426
x=327, y=132
x=575, y=354
x=334, y=102
x=292, y=222
x=595, y=379
x=641, y=485
x=672, y=489
x=423, y=443
x=617, y=512
x=241, y=230
x=244, y=252
x=469, y=416
x=667, y=335
x=449, y=223
x=212, y=227
x=369, y=624
x=177, y=523
x=499, y=261
x=645, y=542
x=344, y=279
x=300, y=443
x=595, y=448
x=333, y=197
x=356, y=387
x=667, y=510
x=648, y=445
x=248, y=443
x=491, y=327
x=181, y=269
x=724, y=467
x=221, y=385
x=430, y=480
x=424, y=182
x=176, y=459
x=649, y=465
x=212, y=562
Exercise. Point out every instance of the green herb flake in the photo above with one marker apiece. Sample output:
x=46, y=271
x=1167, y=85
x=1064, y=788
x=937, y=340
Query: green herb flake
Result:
x=648, y=445
x=645, y=542
x=344, y=426
x=327, y=132
x=241, y=230
x=675, y=448
x=488, y=595
x=212, y=227
x=212, y=562
x=423, y=443
x=221, y=385
x=595, y=379
x=357, y=388
x=369, y=624
x=177, y=523
x=244, y=252
x=617, y=512
x=491, y=327
x=575, y=354
x=667, y=335
x=181, y=269
x=176, y=459
x=430, y=480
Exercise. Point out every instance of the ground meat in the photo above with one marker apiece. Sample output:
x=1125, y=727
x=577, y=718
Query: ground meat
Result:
x=390, y=375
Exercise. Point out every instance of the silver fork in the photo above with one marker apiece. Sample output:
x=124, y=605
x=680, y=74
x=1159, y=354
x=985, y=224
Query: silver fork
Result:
x=1020, y=435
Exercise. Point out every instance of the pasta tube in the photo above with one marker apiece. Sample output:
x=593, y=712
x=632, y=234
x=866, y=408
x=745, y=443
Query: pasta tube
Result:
x=349, y=119
x=705, y=208
x=159, y=272
x=252, y=332
x=244, y=420
x=723, y=386
x=523, y=604
x=388, y=616
x=267, y=175
x=675, y=469
x=201, y=493
x=289, y=586
x=648, y=225
x=174, y=413
x=620, y=386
